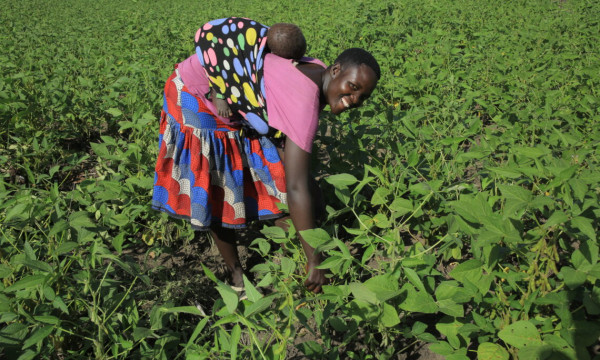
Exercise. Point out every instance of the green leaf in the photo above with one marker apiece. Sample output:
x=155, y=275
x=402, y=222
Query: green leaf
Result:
x=412, y=276
x=209, y=274
x=536, y=352
x=259, y=305
x=470, y=155
x=140, y=333
x=417, y=301
x=114, y=112
x=531, y=152
x=449, y=307
x=66, y=247
x=338, y=324
x=5, y=271
x=468, y=270
x=375, y=171
x=490, y=351
x=48, y=292
x=47, y=319
x=418, y=328
x=60, y=304
x=35, y=264
x=472, y=209
x=573, y=278
x=60, y=226
x=19, y=212
x=451, y=290
x=442, y=348
x=557, y=217
x=332, y=262
x=560, y=298
x=197, y=331
x=287, y=266
x=315, y=237
x=579, y=188
x=586, y=332
x=343, y=194
x=311, y=349
x=361, y=292
x=117, y=242
x=520, y=334
x=230, y=297
x=384, y=287
x=449, y=327
x=518, y=196
x=590, y=251
x=585, y=226
x=389, y=316
x=401, y=206
x=381, y=221
x=341, y=181
x=37, y=336
x=28, y=354
x=119, y=220
x=13, y=334
x=80, y=219
x=505, y=172
x=182, y=309
x=380, y=196
x=234, y=340
x=26, y=282
x=253, y=294
x=273, y=232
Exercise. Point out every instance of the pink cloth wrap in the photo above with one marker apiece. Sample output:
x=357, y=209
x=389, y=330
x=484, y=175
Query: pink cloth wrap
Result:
x=292, y=98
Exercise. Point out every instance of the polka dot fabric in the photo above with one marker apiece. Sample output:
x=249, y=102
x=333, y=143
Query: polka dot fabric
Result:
x=232, y=51
x=206, y=172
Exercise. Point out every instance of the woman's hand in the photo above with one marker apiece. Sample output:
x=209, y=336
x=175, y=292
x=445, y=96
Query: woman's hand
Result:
x=316, y=277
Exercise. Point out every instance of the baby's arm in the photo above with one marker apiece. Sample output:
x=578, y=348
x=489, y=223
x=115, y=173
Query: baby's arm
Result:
x=221, y=104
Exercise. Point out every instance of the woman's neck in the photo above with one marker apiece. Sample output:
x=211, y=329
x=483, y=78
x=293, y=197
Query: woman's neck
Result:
x=313, y=72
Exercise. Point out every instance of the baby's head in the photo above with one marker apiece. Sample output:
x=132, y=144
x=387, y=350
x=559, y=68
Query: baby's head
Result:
x=286, y=40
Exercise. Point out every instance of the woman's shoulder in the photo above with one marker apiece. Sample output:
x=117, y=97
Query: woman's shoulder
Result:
x=312, y=61
x=306, y=72
x=293, y=100
x=278, y=63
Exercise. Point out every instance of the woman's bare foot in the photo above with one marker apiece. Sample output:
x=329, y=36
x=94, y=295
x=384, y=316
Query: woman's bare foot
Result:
x=223, y=109
x=237, y=277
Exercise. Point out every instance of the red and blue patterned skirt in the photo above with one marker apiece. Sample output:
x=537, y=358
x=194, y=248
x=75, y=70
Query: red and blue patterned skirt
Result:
x=207, y=172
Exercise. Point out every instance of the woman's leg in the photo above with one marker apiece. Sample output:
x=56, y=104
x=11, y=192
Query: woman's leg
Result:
x=225, y=239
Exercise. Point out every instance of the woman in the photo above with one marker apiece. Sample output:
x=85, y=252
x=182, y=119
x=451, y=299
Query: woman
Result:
x=219, y=178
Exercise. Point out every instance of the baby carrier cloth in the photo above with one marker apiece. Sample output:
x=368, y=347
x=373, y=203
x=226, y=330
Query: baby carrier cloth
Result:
x=232, y=52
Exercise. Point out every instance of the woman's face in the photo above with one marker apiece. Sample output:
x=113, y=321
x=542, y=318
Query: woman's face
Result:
x=348, y=87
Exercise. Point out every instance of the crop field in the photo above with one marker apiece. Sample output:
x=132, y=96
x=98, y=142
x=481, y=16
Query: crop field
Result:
x=462, y=200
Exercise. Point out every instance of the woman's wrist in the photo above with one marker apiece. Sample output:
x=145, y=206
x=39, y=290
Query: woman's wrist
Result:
x=313, y=259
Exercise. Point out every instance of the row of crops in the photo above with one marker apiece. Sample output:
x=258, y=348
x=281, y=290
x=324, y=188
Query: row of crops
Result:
x=463, y=198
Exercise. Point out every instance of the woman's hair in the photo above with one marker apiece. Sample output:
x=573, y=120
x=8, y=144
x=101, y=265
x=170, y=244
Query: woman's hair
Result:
x=357, y=56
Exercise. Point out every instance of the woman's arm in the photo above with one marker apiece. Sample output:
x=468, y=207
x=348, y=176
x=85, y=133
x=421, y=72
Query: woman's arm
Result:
x=300, y=203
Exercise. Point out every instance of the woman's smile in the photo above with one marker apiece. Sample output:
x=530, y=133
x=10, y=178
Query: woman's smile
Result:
x=349, y=87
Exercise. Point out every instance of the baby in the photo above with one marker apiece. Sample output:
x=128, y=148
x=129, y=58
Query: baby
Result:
x=286, y=40
x=282, y=39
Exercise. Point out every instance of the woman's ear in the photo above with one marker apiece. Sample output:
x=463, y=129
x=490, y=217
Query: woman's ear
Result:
x=335, y=69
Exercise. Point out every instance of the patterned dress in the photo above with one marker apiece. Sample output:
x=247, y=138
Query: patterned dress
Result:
x=209, y=174
x=232, y=51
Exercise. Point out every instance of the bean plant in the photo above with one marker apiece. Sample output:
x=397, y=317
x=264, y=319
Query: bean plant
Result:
x=462, y=200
